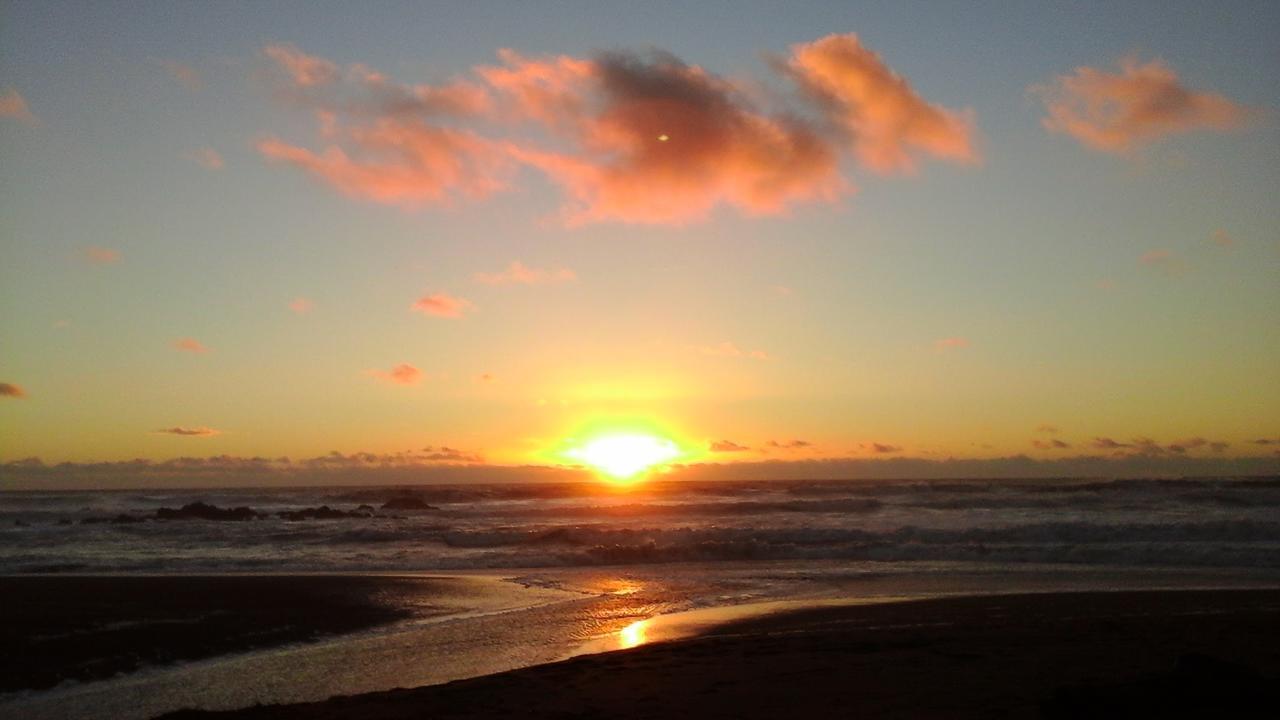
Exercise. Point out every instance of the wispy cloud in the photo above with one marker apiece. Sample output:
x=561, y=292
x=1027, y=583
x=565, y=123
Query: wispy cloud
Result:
x=13, y=105
x=206, y=157
x=1048, y=428
x=402, y=374
x=517, y=273
x=100, y=255
x=950, y=343
x=181, y=72
x=1221, y=239
x=190, y=431
x=888, y=123
x=789, y=444
x=1119, y=111
x=442, y=305
x=301, y=305
x=190, y=345
x=1053, y=444
x=10, y=390
x=727, y=446
x=1164, y=261
x=885, y=448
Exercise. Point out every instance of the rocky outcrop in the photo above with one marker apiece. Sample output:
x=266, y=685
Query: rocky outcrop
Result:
x=205, y=511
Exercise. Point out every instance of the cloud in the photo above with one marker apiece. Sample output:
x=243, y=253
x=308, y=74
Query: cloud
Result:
x=1048, y=428
x=728, y=349
x=402, y=374
x=790, y=445
x=181, y=72
x=190, y=432
x=190, y=345
x=656, y=141
x=1053, y=444
x=13, y=105
x=1165, y=261
x=1118, y=112
x=950, y=343
x=100, y=255
x=885, y=448
x=301, y=305
x=1106, y=443
x=385, y=141
x=485, y=378
x=12, y=391
x=727, y=446
x=206, y=157
x=1220, y=238
x=442, y=305
x=888, y=123
x=518, y=274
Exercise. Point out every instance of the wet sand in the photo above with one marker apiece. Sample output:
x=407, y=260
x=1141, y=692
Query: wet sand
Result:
x=1145, y=653
x=56, y=629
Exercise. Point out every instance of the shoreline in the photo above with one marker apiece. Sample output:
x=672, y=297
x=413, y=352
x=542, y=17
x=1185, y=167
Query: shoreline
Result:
x=1050, y=654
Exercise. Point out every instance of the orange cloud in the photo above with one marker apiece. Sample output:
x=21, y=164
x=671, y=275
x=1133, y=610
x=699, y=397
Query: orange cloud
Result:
x=386, y=140
x=1220, y=238
x=724, y=446
x=518, y=274
x=657, y=141
x=884, y=448
x=184, y=74
x=206, y=157
x=1054, y=444
x=301, y=305
x=13, y=105
x=402, y=374
x=1163, y=260
x=190, y=345
x=887, y=121
x=12, y=391
x=100, y=255
x=950, y=343
x=790, y=445
x=190, y=432
x=442, y=305
x=1117, y=112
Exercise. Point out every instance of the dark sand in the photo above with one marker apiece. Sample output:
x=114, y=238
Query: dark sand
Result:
x=89, y=628
x=1137, y=654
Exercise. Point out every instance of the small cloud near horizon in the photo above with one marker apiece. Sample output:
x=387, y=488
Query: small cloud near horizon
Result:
x=517, y=273
x=12, y=391
x=1164, y=261
x=790, y=445
x=885, y=448
x=1221, y=239
x=205, y=157
x=100, y=255
x=301, y=305
x=1048, y=428
x=726, y=446
x=13, y=105
x=190, y=432
x=1052, y=444
x=190, y=345
x=402, y=374
x=950, y=343
x=442, y=305
x=181, y=72
x=1117, y=112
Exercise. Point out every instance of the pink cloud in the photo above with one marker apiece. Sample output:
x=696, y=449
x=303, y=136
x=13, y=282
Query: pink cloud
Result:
x=181, y=72
x=656, y=141
x=190, y=345
x=12, y=391
x=190, y=432
x=301, y=305
x=726, y=446
x=1117, y=112
x=442, y=305
x=950, y=343
x=206, y=157
x=1164, y=261
x=518, y=274
x=887, y=121
x=402, y=374
x=13, y=105
x=100, y=255
x=386, y=142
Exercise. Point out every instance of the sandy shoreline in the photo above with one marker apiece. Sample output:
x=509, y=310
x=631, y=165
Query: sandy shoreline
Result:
x=1050, y=654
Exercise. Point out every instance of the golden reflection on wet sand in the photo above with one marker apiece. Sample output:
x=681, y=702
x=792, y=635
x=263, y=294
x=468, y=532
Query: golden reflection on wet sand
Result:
x=633, y=634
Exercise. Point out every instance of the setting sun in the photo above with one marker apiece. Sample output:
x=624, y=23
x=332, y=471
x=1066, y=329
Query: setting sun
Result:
x=623, y=456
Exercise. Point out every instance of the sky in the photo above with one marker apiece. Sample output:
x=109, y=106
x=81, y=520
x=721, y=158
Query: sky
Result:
x=257, y=242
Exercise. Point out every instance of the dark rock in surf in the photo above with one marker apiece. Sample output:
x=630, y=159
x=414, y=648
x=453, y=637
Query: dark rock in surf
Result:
x=204, y=511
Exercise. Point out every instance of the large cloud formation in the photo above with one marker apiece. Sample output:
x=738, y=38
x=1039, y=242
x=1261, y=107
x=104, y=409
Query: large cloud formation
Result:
x=1118, y=112
x=635, y=138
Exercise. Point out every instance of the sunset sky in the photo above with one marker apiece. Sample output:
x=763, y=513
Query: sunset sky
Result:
x=466, y=234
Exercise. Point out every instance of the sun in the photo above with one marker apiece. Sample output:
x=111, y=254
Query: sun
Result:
x=623, y=456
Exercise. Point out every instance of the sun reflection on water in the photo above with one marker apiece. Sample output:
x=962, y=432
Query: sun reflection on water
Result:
x=633, y=634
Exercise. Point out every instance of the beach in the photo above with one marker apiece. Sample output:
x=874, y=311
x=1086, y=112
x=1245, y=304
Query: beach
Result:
x=1172, y=653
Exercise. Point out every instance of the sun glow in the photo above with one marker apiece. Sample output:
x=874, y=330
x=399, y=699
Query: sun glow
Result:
x=623, y=456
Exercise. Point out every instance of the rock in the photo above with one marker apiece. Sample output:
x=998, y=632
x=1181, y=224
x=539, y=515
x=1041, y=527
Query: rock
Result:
x=204, y=511
x=124, y=519
x=365, y=508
